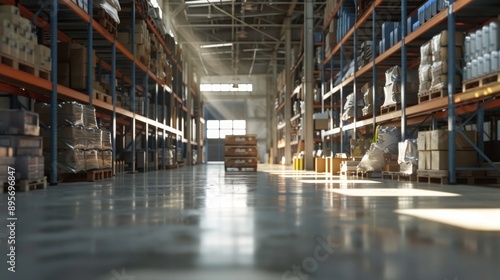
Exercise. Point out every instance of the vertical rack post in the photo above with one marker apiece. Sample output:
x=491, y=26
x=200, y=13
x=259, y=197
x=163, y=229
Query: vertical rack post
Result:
x=374, y=68
x=308, y=93
x=404, y=68
x=164, y=120
x=480, y=131
x=53, y=95
x=146, y=114
x=341, y=73
x=132, y=87
x=90, y=47
x=354, y=82
x=452, y=179
x=189, y=133
x=288, y=91
x=113, y=100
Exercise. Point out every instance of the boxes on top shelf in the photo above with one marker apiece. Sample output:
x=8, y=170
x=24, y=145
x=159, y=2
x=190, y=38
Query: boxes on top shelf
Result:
x=16, y=122
x=22, y=145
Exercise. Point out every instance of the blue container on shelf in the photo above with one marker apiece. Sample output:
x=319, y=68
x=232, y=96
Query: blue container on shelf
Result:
x=428, y=15
x=410, y=24
x=318, y=37
x=416, y=25
x=421, y=14
x=433, y=6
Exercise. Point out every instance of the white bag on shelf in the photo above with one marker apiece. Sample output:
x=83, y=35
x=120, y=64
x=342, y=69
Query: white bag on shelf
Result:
x=110, y=10
x=392, y=94
x=392, y=75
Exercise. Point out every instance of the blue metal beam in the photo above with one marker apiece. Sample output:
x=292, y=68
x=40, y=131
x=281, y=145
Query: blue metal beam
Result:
x=53, y=95
x=404, y=68
x=354, y=82
x=374, y=66
x=113, y=100
x=90, y=47
x=132, y=88
x=452, y=178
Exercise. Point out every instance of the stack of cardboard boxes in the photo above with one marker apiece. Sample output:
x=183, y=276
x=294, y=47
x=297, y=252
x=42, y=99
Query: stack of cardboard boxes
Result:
x=440, y=67
x=72, y=60
x=18, y=42
x=20, y=145
x=433, y=150
x=142, y=39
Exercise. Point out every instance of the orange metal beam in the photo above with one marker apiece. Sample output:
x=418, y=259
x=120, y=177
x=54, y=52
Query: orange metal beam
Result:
x=158, y=35
x=332, y=15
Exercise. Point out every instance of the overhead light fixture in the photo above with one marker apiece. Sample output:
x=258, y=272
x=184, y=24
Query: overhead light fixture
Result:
x=216, y=45
x=198, y=2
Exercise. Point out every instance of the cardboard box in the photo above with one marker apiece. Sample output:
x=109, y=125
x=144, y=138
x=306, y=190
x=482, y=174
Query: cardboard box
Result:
x=391, y=166
x=22, y=145
x=321, y=124
x=319, y=164
x=421, y=140
x=79, y=56
x=463, y=159
x=439, y=140
x=336, y=165
x=422, y=160
x=17, y=122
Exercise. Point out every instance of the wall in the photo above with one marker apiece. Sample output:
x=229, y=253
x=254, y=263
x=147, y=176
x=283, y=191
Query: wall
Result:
x=251, y=107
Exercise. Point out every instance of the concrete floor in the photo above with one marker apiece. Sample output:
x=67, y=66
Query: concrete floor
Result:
x=202, y=223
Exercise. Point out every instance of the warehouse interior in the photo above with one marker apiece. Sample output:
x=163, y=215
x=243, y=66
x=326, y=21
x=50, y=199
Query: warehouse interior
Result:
x=253, y=139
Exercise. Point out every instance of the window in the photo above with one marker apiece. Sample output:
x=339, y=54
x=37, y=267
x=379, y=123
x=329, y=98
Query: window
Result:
x=226, y=87
x=219, y=129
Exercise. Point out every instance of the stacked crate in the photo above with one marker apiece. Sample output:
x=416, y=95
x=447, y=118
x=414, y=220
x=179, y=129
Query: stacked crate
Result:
x=240, y=152
x=433, y=154
x=19, y=47
x=20, y=145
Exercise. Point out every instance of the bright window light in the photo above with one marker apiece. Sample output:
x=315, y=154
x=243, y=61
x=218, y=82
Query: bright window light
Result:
x=214, y=45
x=473, y=219
x=239, y=124
x=212, y=134
x=224, y=132
x=211, y=124
x=339, y=181
x=239, y=132
x=386, y=192
x=226, y=124
x=226, y=87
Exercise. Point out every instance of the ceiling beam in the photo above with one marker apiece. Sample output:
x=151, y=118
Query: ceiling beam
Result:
x=220, y=15
x=228, y=25
x=234, y=43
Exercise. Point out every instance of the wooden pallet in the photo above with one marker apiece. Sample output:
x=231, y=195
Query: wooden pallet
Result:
x=368, y=175
x=433, y=94
x=407, y=177
x=481, y=81
x=432, y=176
x=106, y=21
x=241, y=169
x=24, y=67
x=390, y=108
x=390, y=175
x=26, y=185
x=478, y=180
x=87, y=176
x=102, y=96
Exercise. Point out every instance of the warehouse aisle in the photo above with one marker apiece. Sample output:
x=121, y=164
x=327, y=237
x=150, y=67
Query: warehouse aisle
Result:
x=201, y=223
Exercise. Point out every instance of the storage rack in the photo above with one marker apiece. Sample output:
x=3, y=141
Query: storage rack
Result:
x=469, y=104
x=179, y=120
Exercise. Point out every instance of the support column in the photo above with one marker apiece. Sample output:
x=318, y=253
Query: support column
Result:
x=480, y=131
x=132, y=87
x=404, y=68
x=451, y=91
x=288, y=91
x=164, y=120
x=113, y=100
x=53, y=95
x=187, y=79
x=354, y=82
x=309, y=80
x=90, y=48
x=146, y=114
x=374, y=68
x=273, y=113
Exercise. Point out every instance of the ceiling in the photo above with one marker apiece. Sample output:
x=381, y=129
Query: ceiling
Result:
x=239, y=37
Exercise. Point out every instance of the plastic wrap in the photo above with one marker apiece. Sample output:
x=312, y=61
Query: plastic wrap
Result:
x=392, y=75
x=68, y=113
x=115, y=4
x=436, y=44
x=89, y=119
x=107, y=158
x=425, y=54
x=373, y=160
x=106, y=140
x=91, y=160
x=408, y=151
x=110, y=10
x=68, y=161
x=367, y=110
x=392, y=93
x=387, y=138
x=68, y=138
x=425, y=73
x=93, y=139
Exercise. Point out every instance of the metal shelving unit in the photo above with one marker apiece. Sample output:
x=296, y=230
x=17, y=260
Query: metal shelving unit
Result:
x=169, y=120
x=405, y=53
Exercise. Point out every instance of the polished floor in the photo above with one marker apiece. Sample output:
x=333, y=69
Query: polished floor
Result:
x=202, y=223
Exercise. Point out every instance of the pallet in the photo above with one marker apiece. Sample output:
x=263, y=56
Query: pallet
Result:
x=390, y=175
x=24, y=67
x=367, y=175
x=481, y=81
x=27, y=185
x=433, y=94
x=143, y=59
x=107, y=22
x=390, y=108
x=101, y=96
x=87, y=176
x=478, y=180
x=241, y=169
x=432, y=176
x=407, y=177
